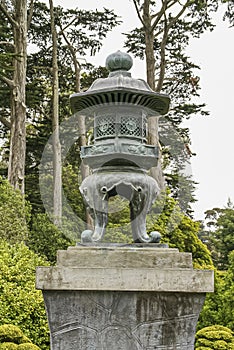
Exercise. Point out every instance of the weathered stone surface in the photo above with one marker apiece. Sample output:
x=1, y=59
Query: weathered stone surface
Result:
x=127, y=279
x=124, y=269
x=122, y=257
x=122, y=320
x=123, y=298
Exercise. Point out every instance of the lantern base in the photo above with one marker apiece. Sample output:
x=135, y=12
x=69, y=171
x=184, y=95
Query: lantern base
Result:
x=123, y=298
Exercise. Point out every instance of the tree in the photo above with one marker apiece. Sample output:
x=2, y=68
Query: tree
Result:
x=212, y=312
x=178, y=230
x=20, y=303
x=229, y=12
x=220, y=223
x=162, y=39
x=75, y=38
x=57, y=161
x=16, y=14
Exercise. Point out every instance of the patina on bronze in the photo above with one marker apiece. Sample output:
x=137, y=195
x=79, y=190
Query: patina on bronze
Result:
x=120, y=156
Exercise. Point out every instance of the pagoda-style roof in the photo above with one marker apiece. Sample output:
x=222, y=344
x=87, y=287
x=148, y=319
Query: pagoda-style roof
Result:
x=120, y=88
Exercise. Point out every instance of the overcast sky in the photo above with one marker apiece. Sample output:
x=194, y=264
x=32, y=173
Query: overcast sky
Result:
x=213, y=136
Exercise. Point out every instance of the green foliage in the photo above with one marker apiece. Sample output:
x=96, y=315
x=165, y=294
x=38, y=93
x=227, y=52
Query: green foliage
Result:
x=11, y=333
x=178, y=230
x=219, y=236
x=8, y=346
x=11, y=337
x=20, y=303
x=71, y=181
x=23, y=346
x=212, y=312
x=228, y=294
x=171, y=27
x=28, y=346
x=214, y=338
x=229, y=11
x=45, y=238
x=15, y=213
x=118, y=228
x=219, y=306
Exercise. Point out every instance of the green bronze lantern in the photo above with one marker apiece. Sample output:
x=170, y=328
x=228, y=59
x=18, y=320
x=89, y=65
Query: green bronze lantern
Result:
x=120, y=156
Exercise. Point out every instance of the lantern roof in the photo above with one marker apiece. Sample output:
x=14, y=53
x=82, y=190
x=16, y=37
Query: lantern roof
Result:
x=119, y=88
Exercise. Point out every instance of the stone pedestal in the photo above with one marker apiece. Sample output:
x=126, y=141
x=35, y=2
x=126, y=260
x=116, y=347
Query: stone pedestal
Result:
x=125, y=298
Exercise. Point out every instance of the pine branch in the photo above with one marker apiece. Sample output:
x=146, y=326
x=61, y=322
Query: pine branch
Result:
x=185, y=6
x=138, y=13
x=163, y=55
x=5, y=122
x=9, y=82
x=7, y=43
x=75, y=61
x=165, y=6
x=8, y=16
x=167, y=27
x=30, y=14
x=68, y=25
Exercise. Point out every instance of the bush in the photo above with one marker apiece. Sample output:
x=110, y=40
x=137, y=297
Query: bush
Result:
x=13, y=346
x=20, y=303
x=178, y=230
x=214, y=338
x=45, y=238
x=11, y=337
x=8, y=346
x=15, y=212
x=218, y=307
x=13, y=334
x=27, y=346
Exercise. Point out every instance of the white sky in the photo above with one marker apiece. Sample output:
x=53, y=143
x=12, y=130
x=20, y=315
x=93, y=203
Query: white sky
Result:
x=213, y=136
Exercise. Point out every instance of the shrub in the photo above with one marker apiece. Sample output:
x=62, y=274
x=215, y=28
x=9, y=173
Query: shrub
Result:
x=27, y=346
x=15, y=212
x=214, y=338
x=45, y=238
x=8, y=346
x=20, y=303
x=11, y=337
x=11, y=333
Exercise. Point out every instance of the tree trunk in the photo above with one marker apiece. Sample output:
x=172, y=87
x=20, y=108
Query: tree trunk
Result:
x=153, y=137
x=150, y=59
x=16, y=168
x=149, y=45
x=84, y=168
x=57, y=162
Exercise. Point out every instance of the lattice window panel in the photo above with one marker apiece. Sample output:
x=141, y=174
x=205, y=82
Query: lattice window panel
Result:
x=105, y=126
x=132, y=126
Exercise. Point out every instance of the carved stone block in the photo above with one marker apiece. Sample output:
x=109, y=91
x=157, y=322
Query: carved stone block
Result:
x=123, y=298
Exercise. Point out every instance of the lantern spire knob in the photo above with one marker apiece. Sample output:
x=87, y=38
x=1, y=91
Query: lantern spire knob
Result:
x=119, y=61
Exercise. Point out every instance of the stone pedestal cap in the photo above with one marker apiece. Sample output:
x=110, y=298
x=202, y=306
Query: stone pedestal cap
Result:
x=124, y=269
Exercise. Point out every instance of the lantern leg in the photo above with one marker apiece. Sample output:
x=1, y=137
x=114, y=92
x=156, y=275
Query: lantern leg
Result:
x=100, y=220
x=138, y=212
